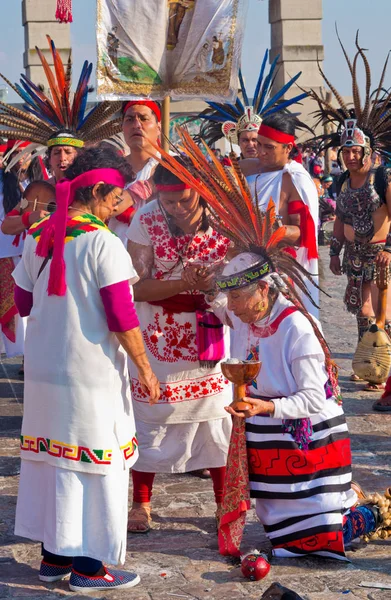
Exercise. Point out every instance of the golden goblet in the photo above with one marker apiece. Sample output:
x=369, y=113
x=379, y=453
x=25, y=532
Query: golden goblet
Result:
x=240, y=374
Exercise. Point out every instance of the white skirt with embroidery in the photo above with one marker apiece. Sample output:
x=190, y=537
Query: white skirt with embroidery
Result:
x=183, y=447
x=189, y=393
x=73, y=513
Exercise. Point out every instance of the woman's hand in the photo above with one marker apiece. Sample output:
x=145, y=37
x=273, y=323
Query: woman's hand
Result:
x=258, y=407
x=198, y=277
x=150, y=385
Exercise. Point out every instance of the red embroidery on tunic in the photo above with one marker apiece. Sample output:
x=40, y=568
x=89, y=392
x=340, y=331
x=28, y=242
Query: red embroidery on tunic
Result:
x=170, y=341
x=208, y=247
x=182, y=391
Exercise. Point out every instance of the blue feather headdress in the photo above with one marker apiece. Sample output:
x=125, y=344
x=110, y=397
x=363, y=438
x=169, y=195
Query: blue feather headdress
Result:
x=232, y=119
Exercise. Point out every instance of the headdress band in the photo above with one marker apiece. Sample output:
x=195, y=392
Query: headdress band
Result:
x=276, y=135
x=176, y=187
x=152, y=105
x=245, y=277
x=65, y=141
x=55, y=227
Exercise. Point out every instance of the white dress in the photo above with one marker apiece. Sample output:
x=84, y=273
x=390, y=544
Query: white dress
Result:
x=268, y=185
x=78, y=433
x=188, y=429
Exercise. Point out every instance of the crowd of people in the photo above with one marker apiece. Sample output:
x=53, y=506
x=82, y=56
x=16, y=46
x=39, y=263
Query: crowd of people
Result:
x=130, y=276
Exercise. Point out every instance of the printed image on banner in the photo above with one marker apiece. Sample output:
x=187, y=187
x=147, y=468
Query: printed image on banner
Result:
x=181, y=48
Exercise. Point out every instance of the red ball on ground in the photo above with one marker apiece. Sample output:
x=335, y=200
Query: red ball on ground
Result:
x=255, y=566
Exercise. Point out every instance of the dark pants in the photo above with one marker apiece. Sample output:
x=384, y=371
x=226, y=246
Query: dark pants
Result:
x=81, y=564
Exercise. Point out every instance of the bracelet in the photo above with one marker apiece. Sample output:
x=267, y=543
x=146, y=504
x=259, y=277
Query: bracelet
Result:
x=335, y=246
x=25, y=219
x=387, y=249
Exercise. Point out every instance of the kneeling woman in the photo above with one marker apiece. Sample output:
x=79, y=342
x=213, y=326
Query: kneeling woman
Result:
x=298, y=446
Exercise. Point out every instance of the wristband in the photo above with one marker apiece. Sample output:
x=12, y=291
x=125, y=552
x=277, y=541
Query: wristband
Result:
x=25, y=219
x=335, y=246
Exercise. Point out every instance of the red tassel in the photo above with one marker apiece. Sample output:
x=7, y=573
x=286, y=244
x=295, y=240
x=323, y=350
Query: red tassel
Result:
x=64, y=11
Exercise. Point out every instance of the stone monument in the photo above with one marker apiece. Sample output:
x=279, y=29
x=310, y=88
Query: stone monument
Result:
x=38, y=20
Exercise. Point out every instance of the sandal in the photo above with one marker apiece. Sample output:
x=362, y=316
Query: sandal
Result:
x=382, y=407
x=374, y=387
x=139, y=519
x=355, y=377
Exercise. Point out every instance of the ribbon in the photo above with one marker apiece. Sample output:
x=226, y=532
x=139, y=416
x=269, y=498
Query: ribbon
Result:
x=152, y=105
x=55, y=228
x=276, y=135
x=307, y=227
x=176, y=187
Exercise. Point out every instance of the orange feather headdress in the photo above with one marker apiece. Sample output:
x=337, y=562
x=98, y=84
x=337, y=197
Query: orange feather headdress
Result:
x=59, y=117
x=234, y=214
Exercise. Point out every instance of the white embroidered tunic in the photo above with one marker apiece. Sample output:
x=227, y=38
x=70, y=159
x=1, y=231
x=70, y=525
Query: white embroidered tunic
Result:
x=189, y=393
x=77, y=403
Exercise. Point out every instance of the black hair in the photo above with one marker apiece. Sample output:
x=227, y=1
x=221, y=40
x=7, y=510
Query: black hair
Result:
x=98, y=158
x=163, y=176
x=283, y=122
x=12, y=193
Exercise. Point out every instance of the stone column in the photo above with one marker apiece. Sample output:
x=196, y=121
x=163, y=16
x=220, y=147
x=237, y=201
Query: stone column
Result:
x=296, y=35
x=38, y=20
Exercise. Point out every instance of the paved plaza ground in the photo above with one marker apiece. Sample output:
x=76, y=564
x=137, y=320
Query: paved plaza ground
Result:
x=179, y=559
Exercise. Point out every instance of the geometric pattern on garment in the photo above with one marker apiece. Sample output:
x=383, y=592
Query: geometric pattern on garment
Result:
x=74, y=453
x=182, y=391
x=300, y=494
x=75, y=227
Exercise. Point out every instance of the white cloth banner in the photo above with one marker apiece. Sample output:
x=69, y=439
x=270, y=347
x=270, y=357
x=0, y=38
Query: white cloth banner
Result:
x=155, y=48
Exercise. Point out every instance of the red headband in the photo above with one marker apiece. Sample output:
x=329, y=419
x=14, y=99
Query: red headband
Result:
x=55, y=227
x=152, y=105
x=276, y=135
x=176, y=187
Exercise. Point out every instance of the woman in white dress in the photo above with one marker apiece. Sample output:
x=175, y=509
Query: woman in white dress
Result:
x=78, y=435
x=175, y=252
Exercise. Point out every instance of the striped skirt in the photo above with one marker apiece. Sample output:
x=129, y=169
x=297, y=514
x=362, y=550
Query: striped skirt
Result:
x=301, y=496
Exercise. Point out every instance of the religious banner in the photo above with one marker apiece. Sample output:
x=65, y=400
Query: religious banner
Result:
x=181, y=48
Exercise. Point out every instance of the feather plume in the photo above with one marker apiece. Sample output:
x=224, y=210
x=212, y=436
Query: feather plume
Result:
x=264, y=102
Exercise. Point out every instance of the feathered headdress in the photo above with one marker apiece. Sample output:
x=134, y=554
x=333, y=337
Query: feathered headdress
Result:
x=235, y=215
x=58, y=118
x=232, y=119
x=366, y=124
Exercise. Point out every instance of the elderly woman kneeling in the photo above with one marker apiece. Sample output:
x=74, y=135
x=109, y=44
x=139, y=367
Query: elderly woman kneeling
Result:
x=298, y=446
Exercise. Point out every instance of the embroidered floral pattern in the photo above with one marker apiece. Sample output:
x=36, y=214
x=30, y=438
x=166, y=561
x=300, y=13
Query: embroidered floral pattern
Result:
x=182, y=391
x=170, y=341
x=206, y=247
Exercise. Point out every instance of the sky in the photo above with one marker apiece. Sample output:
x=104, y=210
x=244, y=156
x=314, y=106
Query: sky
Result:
x=349, y=15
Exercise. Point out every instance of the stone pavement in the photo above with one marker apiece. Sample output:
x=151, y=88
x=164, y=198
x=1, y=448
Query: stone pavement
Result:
x=178, y=559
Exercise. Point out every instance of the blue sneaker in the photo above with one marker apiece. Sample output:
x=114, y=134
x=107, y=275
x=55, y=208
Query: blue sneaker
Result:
x=111, y=579
x=50, y=573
